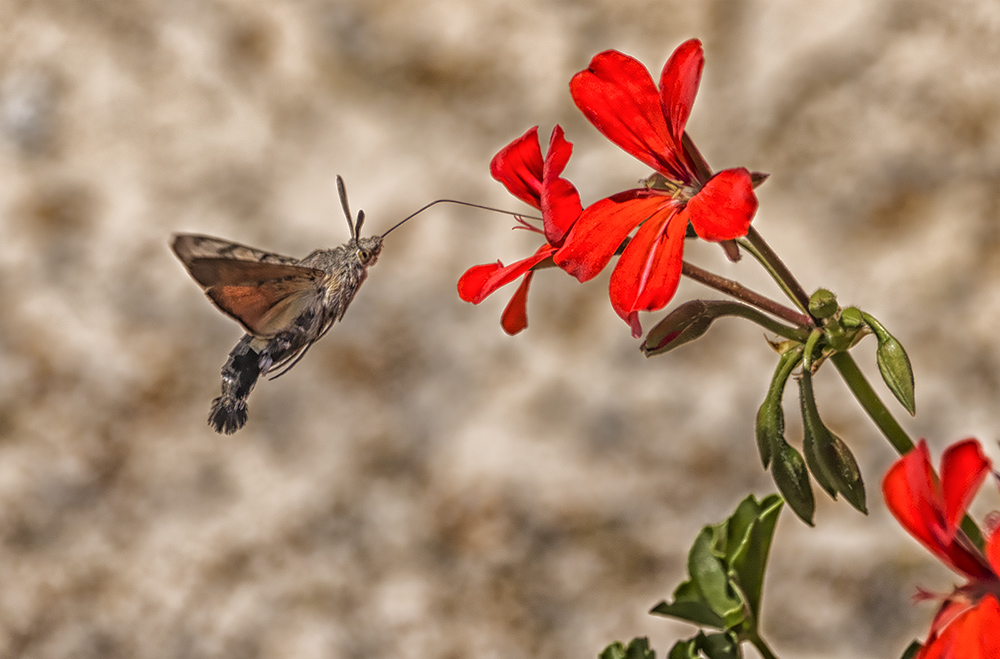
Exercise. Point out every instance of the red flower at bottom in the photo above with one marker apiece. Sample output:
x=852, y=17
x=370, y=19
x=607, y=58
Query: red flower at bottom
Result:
x=520, y=167
x=967, y=626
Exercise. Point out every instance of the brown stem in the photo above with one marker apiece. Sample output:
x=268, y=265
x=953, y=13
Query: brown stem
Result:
x=741, y=292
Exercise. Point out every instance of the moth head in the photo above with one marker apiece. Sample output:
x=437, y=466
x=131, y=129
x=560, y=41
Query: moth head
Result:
x=368, y=249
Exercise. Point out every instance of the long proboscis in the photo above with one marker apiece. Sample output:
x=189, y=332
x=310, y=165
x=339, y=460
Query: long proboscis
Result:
x=460, y=203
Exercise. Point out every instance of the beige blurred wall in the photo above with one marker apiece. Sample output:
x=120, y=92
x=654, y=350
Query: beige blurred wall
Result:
x=423, y=485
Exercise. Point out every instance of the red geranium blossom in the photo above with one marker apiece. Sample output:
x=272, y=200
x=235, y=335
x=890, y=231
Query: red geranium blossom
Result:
x=618, y=96
x=519, y=166
x=968, y=624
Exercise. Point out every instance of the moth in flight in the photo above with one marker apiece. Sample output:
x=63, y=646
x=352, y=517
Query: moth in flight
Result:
x=284, y=304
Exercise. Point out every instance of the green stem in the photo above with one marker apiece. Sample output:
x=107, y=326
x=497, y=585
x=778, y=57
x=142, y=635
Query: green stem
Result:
x=877, y=410
x=873, y=405
x=741, y=292
x=756, y=245
x=762, y=647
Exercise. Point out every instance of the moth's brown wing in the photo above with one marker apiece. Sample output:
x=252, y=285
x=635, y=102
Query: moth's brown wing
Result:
x=190, y=246
x=263, y=297
x=262, y=291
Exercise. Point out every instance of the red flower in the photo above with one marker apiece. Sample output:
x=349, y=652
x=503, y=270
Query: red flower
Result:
x=519, y=166
x=618, y=96
x=967, y=626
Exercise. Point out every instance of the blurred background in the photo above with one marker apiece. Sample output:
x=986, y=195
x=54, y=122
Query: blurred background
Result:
x=423, y=485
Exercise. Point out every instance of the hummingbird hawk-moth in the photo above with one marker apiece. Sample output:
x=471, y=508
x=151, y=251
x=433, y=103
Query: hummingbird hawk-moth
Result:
x=284, y=304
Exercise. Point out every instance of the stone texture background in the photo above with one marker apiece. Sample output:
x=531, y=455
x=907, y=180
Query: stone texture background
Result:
x=423, y=485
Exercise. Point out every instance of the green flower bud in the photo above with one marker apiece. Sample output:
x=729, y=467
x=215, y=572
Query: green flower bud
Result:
x=823, y=304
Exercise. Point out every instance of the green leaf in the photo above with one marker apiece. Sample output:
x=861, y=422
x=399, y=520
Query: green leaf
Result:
x=770, y=426
x=894, y=365
x=792, y=478
x=719, y=646
x=684, y=649
x=749, y=558
x=709, y=575
x=690, y=605
x=739, y=524
x=638, y=648
x=614, y=651
x=911, y=651
x=697, y=612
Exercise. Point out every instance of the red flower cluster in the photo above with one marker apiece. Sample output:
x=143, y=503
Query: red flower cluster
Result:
x=617, y=94
x=967, y=626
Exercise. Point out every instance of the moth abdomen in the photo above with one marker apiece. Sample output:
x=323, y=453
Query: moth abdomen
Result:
x=239, y=375
x=228, y=414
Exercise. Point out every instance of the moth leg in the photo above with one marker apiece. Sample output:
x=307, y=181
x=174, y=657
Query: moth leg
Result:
x=239, y=375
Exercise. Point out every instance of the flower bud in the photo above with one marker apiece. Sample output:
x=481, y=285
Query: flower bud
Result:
x=893, y=364
x=823, y=304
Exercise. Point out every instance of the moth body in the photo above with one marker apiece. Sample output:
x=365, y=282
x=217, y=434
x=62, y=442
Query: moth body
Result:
x=284, y=304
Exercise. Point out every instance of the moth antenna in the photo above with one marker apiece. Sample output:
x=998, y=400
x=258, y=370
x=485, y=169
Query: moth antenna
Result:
x=460, y=203
x=357, y=226
x=347, y=209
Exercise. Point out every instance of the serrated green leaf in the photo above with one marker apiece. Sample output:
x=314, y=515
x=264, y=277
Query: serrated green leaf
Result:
x=894, y=365
x=790, y=475
x=770, y=425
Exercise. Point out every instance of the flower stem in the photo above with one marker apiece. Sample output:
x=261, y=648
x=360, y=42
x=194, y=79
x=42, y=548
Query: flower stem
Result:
x=877, y=410
x=758, y=247
x=873, y=405
x=762, y=647
x=741, y=292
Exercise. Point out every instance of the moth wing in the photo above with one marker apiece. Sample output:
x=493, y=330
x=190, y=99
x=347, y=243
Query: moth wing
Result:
x=190, y=246
x=263, y=292
x=267, y=306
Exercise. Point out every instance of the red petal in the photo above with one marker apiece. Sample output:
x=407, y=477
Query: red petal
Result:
x=901, y=499
x=989, y=627
x=914, y=498
x=976, y=634
x=471, y=284
x=963, y=469
x=943, y=645
x=679, y=85
x=993, y=550
x=724, y=207
x=480, y=281
x=515, y=315
x=617, y=94
x=601, y=229
x=519, y=167
x=560, y=202
x=649, y=269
